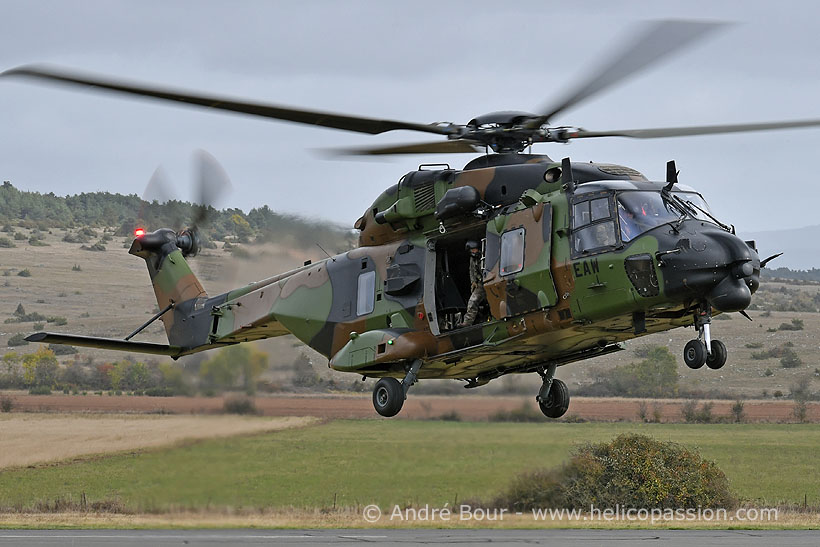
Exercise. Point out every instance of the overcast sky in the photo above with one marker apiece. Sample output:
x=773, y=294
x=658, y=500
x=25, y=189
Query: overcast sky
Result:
x=415, y=61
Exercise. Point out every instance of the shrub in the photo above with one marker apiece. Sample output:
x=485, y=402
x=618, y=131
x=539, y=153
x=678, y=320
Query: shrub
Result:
x=17, y=340
x=6, y=242
x=160, y=392
x=24, y=273
x=737, y=411
x=19, y=236
x=97, y=247
x=800, y=411
x=754, y=345
x=61, y=349
x=239, y=405
x=790, y=359
x=6, y=403
x=796, y=324
x=634, y=471
x=655, y=376
x=452, y=416
x=692, y=414
x=524, y=413
x=76, y=268
x=40, y=390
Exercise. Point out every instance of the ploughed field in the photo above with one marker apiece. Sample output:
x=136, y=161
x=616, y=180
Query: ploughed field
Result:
x=472, y=406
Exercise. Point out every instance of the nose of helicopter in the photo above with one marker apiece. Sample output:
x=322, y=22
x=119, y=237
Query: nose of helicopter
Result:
x=715, y=266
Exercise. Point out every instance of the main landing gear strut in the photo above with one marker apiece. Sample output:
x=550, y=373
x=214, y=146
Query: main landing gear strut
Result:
x=389, y=394
x=704, y=350
x=553, y=397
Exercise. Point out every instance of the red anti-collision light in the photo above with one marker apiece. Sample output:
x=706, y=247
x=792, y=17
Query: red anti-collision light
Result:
x=139, y=232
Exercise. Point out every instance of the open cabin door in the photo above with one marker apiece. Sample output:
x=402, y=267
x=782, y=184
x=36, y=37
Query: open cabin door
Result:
x=517, y=256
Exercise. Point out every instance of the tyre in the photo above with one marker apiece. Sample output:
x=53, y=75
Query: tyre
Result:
x=388, y=397
x=557, y=401
x=694, y=354
x=718, y=357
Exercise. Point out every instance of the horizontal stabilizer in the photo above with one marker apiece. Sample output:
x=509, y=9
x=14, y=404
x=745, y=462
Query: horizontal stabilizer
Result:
x=104, y=343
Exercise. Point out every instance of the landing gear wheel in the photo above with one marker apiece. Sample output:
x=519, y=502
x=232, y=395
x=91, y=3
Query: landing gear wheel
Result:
x=718, y=357
x=557, y=401
x=694, y=354
x=388, y=397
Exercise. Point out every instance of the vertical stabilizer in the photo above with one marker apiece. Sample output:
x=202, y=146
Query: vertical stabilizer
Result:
x=164, y=253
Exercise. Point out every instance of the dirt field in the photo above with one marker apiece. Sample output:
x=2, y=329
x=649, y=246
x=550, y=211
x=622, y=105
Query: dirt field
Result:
x=418, y=407
x=35, y=438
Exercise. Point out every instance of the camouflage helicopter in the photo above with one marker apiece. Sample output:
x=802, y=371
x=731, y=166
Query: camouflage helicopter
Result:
x=574, y=258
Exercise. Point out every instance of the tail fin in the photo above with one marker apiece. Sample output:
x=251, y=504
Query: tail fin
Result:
x=164, y=253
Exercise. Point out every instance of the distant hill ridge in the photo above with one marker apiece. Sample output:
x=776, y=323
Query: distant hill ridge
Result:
x=48, y=211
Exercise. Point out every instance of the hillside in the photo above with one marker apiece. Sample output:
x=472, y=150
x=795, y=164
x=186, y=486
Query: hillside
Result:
x=125, y=213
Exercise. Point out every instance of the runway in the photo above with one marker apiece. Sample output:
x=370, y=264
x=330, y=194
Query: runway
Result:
x=385, y=538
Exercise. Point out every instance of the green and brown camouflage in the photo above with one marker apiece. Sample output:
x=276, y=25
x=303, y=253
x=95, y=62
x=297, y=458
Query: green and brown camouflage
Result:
x=552, y=299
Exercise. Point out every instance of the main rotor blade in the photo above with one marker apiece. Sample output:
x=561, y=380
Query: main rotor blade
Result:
x=442, y=147
x=658, y=40
x=310, y=117
x=661, y=132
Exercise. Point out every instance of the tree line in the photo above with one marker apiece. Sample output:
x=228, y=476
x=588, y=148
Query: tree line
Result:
x=104, y=209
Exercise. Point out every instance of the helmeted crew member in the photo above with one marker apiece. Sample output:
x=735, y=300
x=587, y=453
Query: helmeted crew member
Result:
x=478, y=295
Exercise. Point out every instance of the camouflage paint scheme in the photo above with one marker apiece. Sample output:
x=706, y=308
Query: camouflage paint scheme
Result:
x=559, y=308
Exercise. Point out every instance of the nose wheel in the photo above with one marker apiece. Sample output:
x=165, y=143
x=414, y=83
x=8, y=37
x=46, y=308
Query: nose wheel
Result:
x=704, y=350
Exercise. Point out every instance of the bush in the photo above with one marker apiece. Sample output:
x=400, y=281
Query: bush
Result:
x=790, y=359
x=737, y=411
x=239, y=405
x=796, y=324
x=692, y=414
x=17, y=340
x=6, y=242
x=24, y=273
x=754, y=345
x=654, y=377
x=524, y=413
x=19, y=236
x=61, y=349
x=40, y=390
x=632, y=471
x=76, y=268
x=6, y=403
x=159, y=392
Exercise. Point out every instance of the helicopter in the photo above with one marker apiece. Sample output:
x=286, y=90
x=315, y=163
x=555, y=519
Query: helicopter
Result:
x=574, y=258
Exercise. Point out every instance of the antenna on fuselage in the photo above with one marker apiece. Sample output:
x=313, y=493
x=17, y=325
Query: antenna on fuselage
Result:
x=328, y=254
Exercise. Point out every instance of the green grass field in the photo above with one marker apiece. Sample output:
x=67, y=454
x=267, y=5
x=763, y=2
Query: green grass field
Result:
x=387, y=462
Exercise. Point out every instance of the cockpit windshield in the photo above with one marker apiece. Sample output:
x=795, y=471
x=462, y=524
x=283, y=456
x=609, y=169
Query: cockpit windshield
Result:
x=640, y=211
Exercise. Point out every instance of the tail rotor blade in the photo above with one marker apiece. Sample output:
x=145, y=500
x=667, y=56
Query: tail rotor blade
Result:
x=211, y=184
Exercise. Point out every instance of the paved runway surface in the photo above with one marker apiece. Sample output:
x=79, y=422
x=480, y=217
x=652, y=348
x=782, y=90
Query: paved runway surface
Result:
x=384, y=538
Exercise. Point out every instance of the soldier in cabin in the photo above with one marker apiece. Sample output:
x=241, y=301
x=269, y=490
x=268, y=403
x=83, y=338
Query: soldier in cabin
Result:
x=478, y=296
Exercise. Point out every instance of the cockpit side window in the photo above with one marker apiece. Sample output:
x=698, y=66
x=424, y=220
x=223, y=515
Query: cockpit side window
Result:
x=640, y=211
x=593, y=225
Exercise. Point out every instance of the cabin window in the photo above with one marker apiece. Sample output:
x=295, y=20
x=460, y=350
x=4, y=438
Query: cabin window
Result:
x=595, y=236
x=593, y=210
x=593, y=225
x=512, y=251
x=366, y=299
